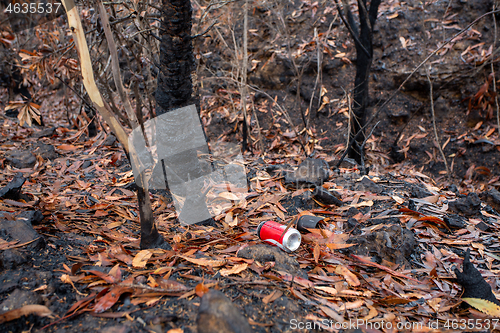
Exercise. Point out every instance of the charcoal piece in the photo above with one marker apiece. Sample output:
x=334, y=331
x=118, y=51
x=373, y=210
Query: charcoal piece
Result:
x=301, y=202
x=472, y=281
x=326, y=197
x=367, y=185
x=352, y=211
x=48, y=132
x=47, y=152
x=492, y=198
x=352, y=226
x=86, y=164
x=392, y=243
x=347, y=163
x=482, y=226
x=453, y=188
x=217, y=314
x=20, y=159
x=412, y=205
x=418, y=192
x=454, y=221
x=11, y=259
x=21, y=229
x=31, y=217
x=469, y=206
x=13, y=189
x=264, y=253
x=109, y=141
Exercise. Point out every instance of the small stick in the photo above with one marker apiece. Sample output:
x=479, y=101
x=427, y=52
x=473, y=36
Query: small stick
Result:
x=434, y=124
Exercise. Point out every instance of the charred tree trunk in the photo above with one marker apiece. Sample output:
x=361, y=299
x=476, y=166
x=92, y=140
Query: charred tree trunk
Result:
x=175, y=85
x=360, y=96
x=174, y=90
x=150, y=237
x=363, y=38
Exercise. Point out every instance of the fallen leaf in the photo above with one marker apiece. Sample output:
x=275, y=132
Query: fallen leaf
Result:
x=328, y=290
x=338, y=246
x=111, y=297
x=39, y=310
x=67, y=279
x=398, y=199
x=67, y=147
x=316, y=253
x=392, y=16
x=201, y=289
x=484, y=306
x=228, y=196
x=141, y=259
x=204, y=262
x=272, y=297
x=348, y=275
x=233, y=270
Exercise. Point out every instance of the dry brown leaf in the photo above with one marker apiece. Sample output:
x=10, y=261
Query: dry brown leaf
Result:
x=228, y=196
x=111, y=297
x=201, y=289
x=328, y=290
x=372, y=314
x=348, y=275
x=272, y=297
x=484, y=306
x=67, y=147
x=332, y=313
x=398, y=199
x=39, y=310
x=339, y=246
x=316, y=253
x=141, y=259
x=233, y=270
x=204, y=262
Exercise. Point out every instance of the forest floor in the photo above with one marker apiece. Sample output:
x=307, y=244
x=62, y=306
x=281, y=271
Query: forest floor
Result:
x=383, y=261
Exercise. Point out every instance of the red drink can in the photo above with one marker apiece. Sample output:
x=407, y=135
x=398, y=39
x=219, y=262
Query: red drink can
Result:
x=270, y=232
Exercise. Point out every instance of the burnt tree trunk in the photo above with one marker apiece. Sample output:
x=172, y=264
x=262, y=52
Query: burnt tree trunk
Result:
x=174, y=90
x=363, y=38
x=175, y=85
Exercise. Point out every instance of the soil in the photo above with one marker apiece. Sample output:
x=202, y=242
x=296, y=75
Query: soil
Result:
x=84, y=188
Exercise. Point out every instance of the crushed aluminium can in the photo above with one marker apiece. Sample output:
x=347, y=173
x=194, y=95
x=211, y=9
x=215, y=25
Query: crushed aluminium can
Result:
x=270, y=232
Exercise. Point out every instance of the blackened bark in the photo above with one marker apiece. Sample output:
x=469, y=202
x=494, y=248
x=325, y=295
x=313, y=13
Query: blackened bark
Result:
x=150, y=237
x=174, y=90
x=175, y=86
x=92, y=125
x=367, y=20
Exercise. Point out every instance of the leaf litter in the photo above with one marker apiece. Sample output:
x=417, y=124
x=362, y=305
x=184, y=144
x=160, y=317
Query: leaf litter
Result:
x=109, y=271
